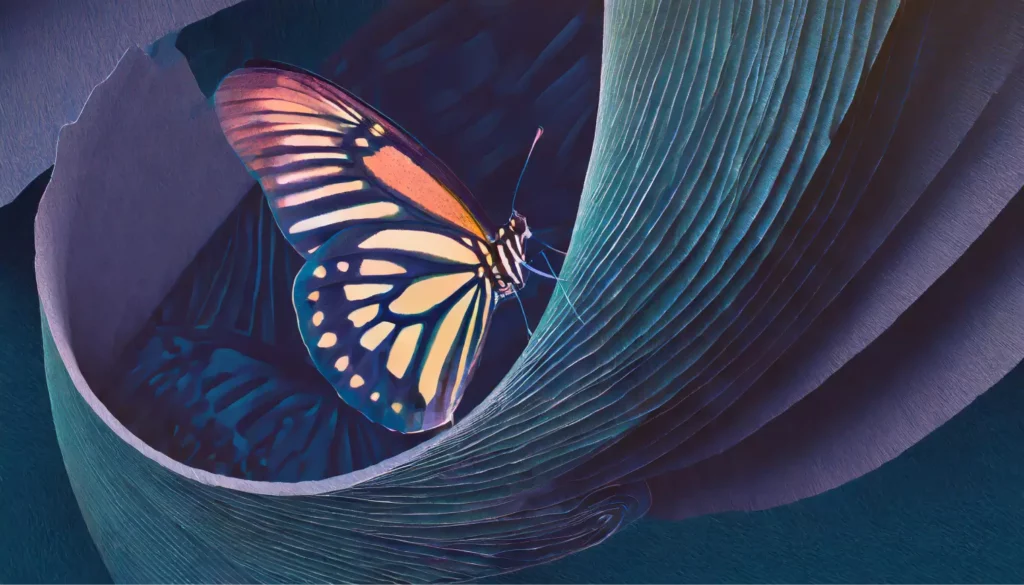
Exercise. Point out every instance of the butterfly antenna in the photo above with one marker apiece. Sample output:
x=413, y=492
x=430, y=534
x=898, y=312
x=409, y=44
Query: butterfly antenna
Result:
x=529, y=332
x=540, y=132
x=564, y=294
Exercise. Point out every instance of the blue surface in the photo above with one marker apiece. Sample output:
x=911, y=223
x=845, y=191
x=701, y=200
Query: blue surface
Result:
x=53, y=53
x=43, y=538
x=948, y=510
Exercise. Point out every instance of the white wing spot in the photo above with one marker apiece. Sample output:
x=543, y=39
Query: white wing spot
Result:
x=378, y=210
x=317, y=193
x=358, y=292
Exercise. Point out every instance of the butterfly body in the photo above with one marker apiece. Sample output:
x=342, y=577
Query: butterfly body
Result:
x=508, y=256
x=401, y=277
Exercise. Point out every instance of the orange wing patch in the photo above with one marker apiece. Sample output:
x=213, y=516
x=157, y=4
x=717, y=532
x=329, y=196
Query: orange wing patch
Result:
x=398, y=172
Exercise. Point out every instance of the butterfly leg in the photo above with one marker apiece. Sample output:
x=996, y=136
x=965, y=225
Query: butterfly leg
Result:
x=564, y=294
x=529, y=332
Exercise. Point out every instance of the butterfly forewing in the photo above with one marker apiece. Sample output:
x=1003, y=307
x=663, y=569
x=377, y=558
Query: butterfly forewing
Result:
x=326, y=160
x=394, y=316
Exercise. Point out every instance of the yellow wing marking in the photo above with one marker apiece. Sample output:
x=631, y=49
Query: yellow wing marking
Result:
x=303, y=175
x=403, y=350
x=309, y=195
x=376, y=335
x=380, y=268
x=378, y=210
x=425, y=294
x=466, y=344
x=363, y=315
x=281, y=160
x=358, y=292
x=341, y=364
x=487, y=302
x=302, y=141
x=422, y=243
x=441, y=346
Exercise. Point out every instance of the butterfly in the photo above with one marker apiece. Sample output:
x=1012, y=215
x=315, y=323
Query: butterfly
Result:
x=401, y=277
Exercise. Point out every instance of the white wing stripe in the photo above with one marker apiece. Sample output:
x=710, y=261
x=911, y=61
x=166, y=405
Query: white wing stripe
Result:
x=378, y=210
x=319, y=193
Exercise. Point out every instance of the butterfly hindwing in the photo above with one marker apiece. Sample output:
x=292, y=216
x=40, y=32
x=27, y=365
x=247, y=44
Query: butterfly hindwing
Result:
x=326, y=160
x=394, y=315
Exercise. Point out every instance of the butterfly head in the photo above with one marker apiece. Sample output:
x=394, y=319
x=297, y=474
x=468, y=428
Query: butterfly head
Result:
x=518, y=227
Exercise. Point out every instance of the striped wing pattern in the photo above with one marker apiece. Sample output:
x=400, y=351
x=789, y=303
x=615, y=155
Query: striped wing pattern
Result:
x=393, y=302
x=394, y=316
x=326, y=160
